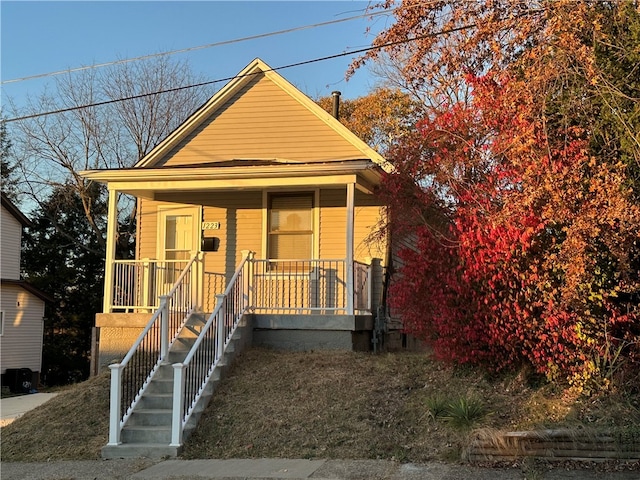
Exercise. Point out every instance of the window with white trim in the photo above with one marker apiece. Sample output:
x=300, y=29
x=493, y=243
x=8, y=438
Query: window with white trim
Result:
x=290, y=226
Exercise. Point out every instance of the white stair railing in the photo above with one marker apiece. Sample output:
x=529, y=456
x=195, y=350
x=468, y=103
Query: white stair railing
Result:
x=130, y=377
x=192, y=375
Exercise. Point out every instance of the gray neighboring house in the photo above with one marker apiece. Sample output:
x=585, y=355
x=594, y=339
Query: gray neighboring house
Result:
x=21, y=307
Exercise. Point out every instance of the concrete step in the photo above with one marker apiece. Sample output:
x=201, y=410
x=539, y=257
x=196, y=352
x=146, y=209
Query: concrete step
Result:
x=165, y=372
x=190, y=332
x=194, y=329
x=150, y=417
x=176, y=356
x=184, y=342
x=198, y=317
x=162, y=401
x=149, y=434
x=139, y=450
x=193, y=325
x=160, y=385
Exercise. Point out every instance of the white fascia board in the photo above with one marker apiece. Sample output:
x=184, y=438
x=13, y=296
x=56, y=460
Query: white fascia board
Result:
x=144, y=182
x=221, y=173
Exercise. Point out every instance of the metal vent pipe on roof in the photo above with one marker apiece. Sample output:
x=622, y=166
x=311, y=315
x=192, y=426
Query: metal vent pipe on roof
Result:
x=336, y=104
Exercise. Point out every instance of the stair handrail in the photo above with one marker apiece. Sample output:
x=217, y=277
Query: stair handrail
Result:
x=189, y=385
x=152, y=345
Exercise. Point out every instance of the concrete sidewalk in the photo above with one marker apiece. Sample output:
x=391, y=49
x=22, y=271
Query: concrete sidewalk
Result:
x=13, y=407
x=283, y=469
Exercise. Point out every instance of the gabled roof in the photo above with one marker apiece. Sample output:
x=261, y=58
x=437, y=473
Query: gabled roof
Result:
x=15, y=212
x=226, y=93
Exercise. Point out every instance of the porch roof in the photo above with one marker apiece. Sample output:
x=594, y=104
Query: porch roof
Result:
x=239, y=174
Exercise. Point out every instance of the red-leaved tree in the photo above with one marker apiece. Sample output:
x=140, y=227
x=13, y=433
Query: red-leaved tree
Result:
x=524, y=241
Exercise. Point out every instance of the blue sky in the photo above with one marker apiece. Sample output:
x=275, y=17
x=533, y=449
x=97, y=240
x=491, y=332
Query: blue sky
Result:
x=43, y=37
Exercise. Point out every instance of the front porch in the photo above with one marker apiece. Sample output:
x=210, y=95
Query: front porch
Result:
x=292, y=304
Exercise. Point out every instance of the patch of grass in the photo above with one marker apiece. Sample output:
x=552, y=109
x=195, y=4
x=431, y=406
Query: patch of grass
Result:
x=437, y=406
x=322, y=405
x=465, y=412
x=73, y=425
x=462, y=413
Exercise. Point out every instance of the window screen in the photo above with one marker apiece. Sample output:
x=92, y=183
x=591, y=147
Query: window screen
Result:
x=291, y=227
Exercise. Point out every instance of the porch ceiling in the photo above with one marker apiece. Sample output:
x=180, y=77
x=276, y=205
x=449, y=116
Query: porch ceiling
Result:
x=144, y=182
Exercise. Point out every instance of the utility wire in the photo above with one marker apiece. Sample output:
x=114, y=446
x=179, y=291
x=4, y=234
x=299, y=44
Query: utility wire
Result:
x=200, y=47
x=210, y=82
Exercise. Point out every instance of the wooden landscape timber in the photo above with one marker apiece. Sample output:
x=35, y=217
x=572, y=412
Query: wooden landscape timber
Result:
x=557, y=445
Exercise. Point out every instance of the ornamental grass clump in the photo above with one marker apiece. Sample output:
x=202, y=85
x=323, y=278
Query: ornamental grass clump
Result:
x=437, y=406
x=465, y=412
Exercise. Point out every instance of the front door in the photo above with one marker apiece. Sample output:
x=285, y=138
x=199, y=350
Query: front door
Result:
x=178, y=241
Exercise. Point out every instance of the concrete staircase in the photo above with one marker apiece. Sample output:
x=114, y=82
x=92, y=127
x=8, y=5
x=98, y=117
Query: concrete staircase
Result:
x=147, y=432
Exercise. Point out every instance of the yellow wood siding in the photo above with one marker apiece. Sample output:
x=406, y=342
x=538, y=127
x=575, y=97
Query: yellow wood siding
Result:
x=333, y=226
x=21, y=340
x=367, y=216
x=240, y=217
x=147, y=236
x=261, y=121
x=333, y=229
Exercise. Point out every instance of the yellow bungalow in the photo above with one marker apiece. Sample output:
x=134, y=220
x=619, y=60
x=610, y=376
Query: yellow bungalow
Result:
x=256, y=213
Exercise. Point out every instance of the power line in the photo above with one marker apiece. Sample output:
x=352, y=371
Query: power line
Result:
x=176, y=89
x=227, y=79
x=200, y=47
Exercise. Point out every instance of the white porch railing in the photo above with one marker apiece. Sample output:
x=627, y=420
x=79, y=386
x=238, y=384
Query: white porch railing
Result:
x=214, y=283
x=190, y=377
x=138, y=284
x=130, y=377
x=280, y=286
x=310, y=286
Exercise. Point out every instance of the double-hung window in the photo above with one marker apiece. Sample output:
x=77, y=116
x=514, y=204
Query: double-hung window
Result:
x=290, y=226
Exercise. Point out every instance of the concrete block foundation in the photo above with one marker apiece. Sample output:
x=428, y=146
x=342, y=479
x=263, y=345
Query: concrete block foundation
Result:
x=313, y=332
x=115, y=333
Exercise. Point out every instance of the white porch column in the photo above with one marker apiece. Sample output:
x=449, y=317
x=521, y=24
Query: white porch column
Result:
x=110, y=254
x=350, y=237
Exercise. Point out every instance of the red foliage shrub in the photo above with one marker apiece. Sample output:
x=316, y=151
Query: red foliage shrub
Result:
x=523, y=242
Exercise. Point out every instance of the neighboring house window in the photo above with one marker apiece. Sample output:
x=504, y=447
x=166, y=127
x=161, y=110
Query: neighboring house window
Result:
x=290, y=227
x=1, y=323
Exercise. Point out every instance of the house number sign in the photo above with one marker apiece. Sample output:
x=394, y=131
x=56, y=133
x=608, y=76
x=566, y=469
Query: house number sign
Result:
x=210, y=225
